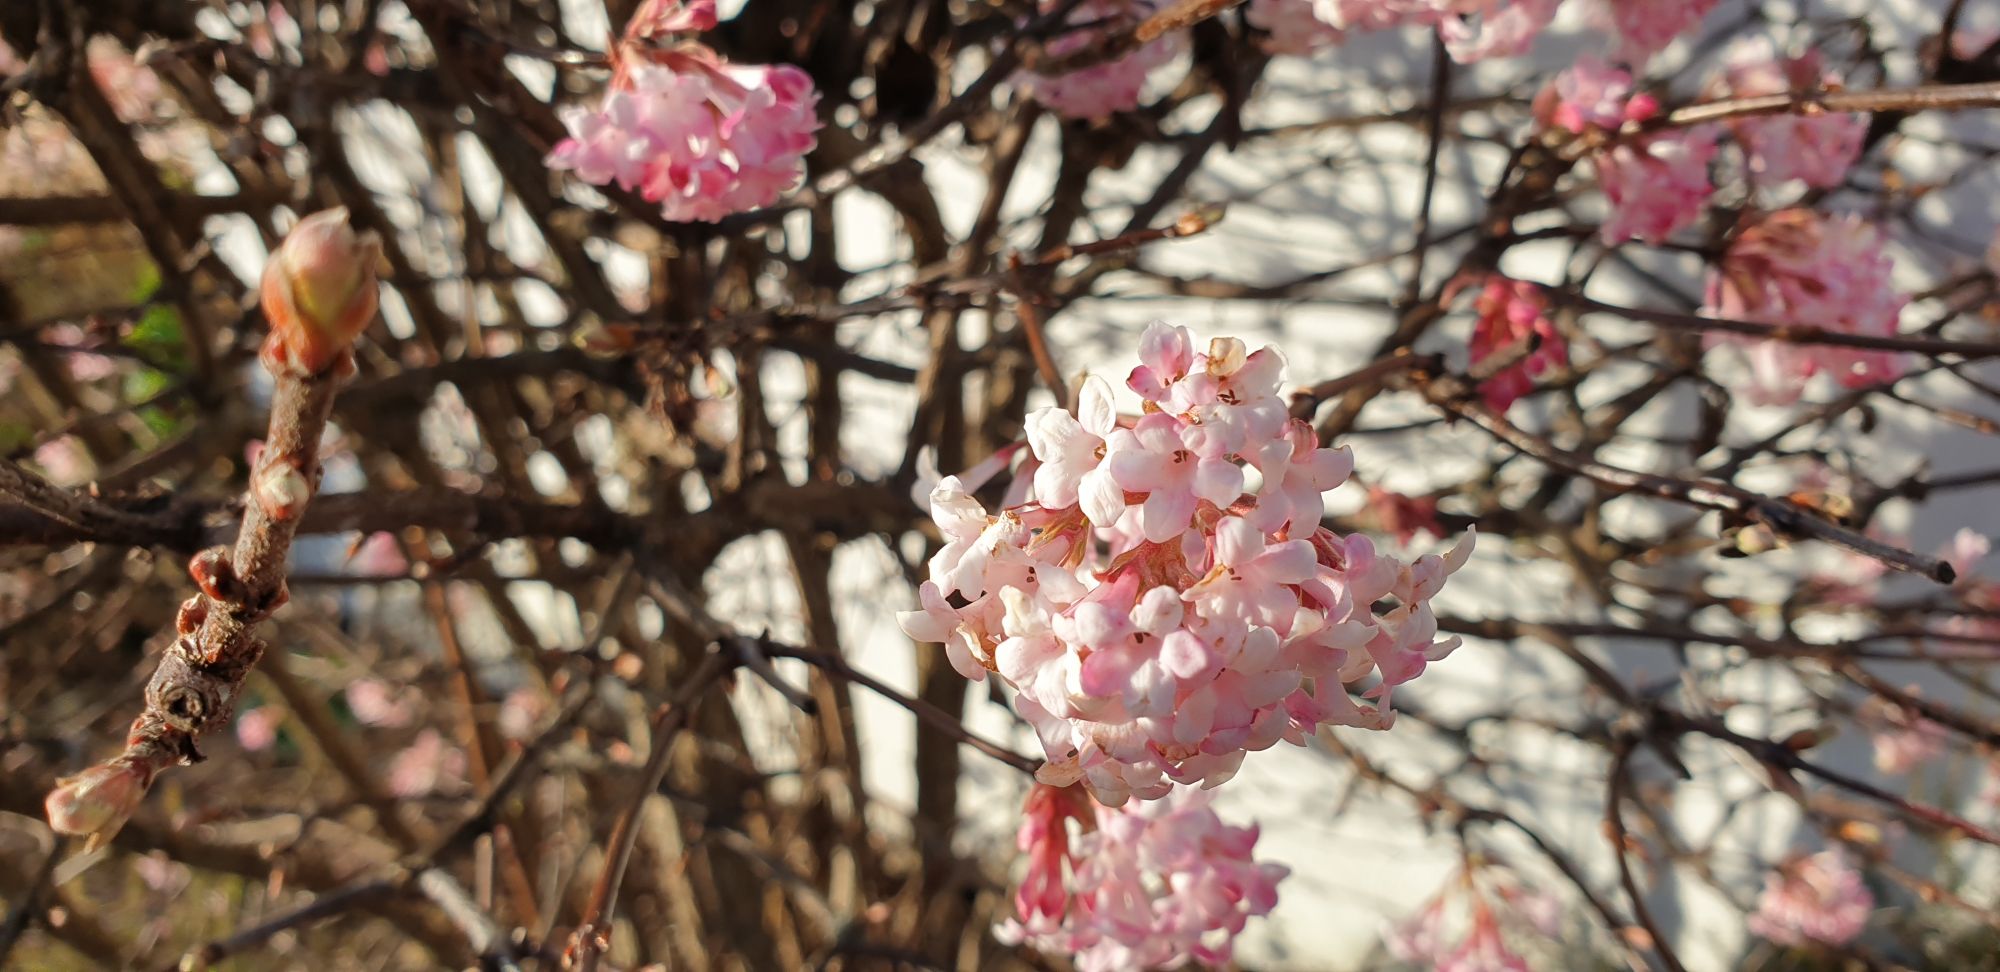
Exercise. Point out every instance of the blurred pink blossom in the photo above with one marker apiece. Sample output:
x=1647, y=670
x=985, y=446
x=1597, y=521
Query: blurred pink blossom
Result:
x=1427, y=940
x=375, y=703
x=1591, y=94
x=427, y=765
x=1513, y=321
x=1103, y=89
x=64, y=461
x=521, y=712
x=132, y=88
x=379, y=555
x=1154, y=886
x=1656, y=185
x=1795, y=267
x=1904, y=739
x=1474, y=30
x=1645, y=27
x=1964, y=551
x=1818, y=898
x=1403, y=515
x=1816, y=148
x=83, y=366
x=1291, y=26
x=257, y=729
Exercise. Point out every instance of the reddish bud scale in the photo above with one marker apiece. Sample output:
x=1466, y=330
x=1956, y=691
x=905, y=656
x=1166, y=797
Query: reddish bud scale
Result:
x=215, y=575
x=189, y=618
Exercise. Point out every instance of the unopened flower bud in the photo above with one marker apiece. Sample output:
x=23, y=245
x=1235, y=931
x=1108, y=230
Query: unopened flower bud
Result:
x=319, y=292
x=97, y=801
x=281, y=489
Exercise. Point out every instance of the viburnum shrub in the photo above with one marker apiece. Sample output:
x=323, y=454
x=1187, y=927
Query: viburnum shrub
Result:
x=574, y=419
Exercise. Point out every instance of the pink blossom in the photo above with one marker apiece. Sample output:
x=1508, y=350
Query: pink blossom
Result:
x=1290, y=26
x=1796, y=267
x=1484, y=950
x=1645, y=27
x=83, y=365
x=1513, y=321
x=1966, y=43
x=1153, y=886
x=1249, y=578
x=1165, y=355
x=1104, y=89
x=1591, y=94
x=426, y=766
x=1154, y=458
x=1419, y=938
x=1656, y=185
x=937, y=622
x=1426, y=938
x=1297, y=474
x=1493, y=28
x=375, y=703
x=1964, y=551
x=1403, y=515
x=1856, y=583
x=379, y=554
x=521, y=713
x=701, y=137
x=257, y=729
x=1043, y=897
x=1904, y=739
x=132, y=88
x=1071, y=449
x=661, y=18
x=1816, y=148
x=1371, y=15
x=64, y=461
x=1157, y=640
x=1818, y=898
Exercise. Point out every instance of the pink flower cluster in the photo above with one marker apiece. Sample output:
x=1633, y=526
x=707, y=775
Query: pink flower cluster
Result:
x=1795, y=267
x=1816, y=149
x=1818, y=898
x=1903, y=738
x=1645, y=27
x=1156, y=620
x=1146, y=886
x=701, y=137
x=1476, y=29
x=1426, y=938
x=1656, y=184
x=1514, y=321
x=1103, y=89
